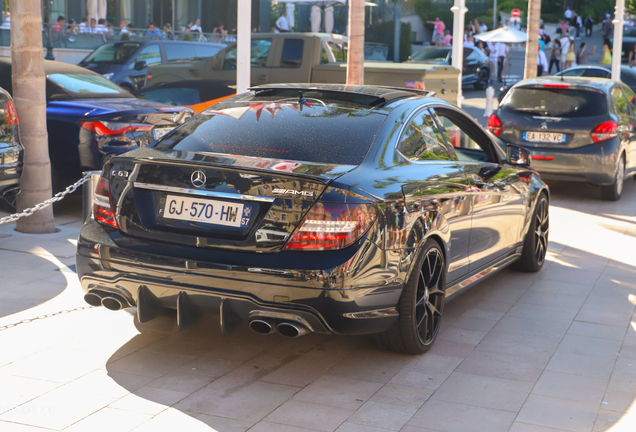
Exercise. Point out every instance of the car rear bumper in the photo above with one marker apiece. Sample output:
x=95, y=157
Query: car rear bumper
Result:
x=595, y=163
x=317, y=298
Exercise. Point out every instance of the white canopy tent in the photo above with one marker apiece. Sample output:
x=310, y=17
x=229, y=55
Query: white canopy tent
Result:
x=504, y=34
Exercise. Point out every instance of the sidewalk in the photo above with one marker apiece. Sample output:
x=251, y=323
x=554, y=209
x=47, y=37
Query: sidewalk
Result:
x=545, y=352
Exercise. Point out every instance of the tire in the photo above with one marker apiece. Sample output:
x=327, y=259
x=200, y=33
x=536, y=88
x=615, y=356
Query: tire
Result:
x=421, y=305
x=535, y=246
x=614, y=191
x=482, y=81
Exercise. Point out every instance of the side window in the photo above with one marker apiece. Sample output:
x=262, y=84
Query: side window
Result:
x=422, y=141
x=259, y=52
x=596, y=73
x=573, y=72
x=631, y=99
x=628, y=79
x=182, y=51
x=466, y=148
x=619, y=101
x=151, y=55
x=204, y=50
x=292, y=53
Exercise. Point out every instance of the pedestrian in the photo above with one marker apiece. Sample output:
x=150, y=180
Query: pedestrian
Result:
x=123, y=28
x=492, y=61
x=482, y=48
x=568, y=14
x=438, y=30
x=282, y=24
x=607, y=26
x=447, y=38
x=564, y=27
x=583, y=53
x=196, y=27
x=579, y=24
x=482, y=27
x=542, y=61
x=101, y=27
x=631, y=60
x=72, y=27
x=60, y=25
x=565, y=47
x=153, y=32
x=502, y=53
x=570, y=56
x=555, y=56
x=589, y=23
x=83, y=26
x=470, y=42
x=606, y=55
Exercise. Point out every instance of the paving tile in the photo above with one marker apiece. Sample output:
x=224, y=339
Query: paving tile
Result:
x=149, y=363
x=560, y=288
x=572, y=387
x=338, y=392
x=542, y=312
x=531, y=326
x=382, y=415
x=208, y=366
x=452, y=417
x=237, y=398
x=471, y=323
x=590, y=346
x=594, y=367
x=444, y=348
x=558, y=413
x=620, y=401
x=187, y=382
x=597, y=330
x=172, y=420
x=483, y=314
x=565, y=274
x=508, y=366
x=421, y=378
x=524, y=427
x=519, y=344
x=462, y=335
x=376, y=366
x=552, y=300
x=614, y=422
x=14, y=391
x=56, y=409
x=624, y=375
x=482, y=391
x=109, y=419
x=400, y=394
x=430, y=362
x=265, y=426
x=104, y=383
x=353, y=427
x=15, y=427
x=312, y=416
x=148, y=400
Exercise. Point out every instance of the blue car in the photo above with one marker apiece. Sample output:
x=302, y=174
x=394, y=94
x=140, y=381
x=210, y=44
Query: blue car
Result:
x=90, y=119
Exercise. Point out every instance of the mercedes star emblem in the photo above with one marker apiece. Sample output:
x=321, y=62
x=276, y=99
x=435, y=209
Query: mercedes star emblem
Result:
x=198, y=178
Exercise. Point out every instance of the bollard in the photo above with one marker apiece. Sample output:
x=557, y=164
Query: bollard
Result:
x=490, y=95
x=88, y=189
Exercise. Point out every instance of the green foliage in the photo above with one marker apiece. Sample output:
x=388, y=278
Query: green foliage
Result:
x=383, y=33
x=125, y=37
x=187, y=37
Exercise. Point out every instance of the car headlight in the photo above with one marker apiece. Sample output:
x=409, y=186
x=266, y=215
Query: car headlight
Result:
x=108, y=75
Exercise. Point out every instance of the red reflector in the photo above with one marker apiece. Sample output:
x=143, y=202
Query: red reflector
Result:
x=332, y=226
x=556, y=85
x=604, y=131
x=494, y=125
x=11, y=114
x=103, y=209
x=537, y=157
x=113, y=128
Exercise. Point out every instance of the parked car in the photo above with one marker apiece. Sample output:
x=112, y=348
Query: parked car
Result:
x=126, y=63
x=195, y=94
x=475, y=71
x=89, y=119
x=306, y=58
x=628, y=74
x=11, y=152
x=313, y=208
x=577, y=129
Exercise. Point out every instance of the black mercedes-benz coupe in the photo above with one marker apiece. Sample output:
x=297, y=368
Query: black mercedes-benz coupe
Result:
x=313, y=208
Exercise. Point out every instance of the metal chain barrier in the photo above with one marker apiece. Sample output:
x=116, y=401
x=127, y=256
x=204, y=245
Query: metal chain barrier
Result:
x=57, y=197
x=41, y=317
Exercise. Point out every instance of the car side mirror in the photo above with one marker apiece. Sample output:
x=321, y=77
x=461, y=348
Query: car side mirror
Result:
x=517, y=156
x=141, y=65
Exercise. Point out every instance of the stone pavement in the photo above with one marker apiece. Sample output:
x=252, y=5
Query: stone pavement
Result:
x=543, y=352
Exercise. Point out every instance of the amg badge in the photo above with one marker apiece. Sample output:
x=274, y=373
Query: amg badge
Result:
x=279, y=191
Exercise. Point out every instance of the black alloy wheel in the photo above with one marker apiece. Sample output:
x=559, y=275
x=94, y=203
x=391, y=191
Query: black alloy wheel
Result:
x=421, y=305
x=535, y=246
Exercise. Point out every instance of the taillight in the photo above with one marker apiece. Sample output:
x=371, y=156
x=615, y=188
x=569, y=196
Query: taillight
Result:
x=604, y=131
x=329, y=226
x=10, y=114
x=112, y=129
x=552, y=85
x=494, y=125
x=103, y=209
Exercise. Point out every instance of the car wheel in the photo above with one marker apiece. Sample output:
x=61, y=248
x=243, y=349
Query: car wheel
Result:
x=613, y=192
x=421, y=305
x=535, y=246
x=482, y=81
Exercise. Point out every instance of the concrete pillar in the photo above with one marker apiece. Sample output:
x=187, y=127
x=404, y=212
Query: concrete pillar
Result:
x=617, y=50
x=243, y=45
x=459, y=11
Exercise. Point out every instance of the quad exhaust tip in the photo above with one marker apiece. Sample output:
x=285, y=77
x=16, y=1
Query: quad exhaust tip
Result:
x=262, y=326
x=291, y=330
x=93, y=299
x=110, y=301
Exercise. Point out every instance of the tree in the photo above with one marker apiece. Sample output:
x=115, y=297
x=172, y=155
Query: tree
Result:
x=27, y=65
x=355, y=61
x=532, y=45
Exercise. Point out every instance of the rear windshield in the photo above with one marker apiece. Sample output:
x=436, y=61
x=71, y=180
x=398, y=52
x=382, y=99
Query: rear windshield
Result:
x=85, y=84
x=316, y=131
x=555, y=102
x=112, y=53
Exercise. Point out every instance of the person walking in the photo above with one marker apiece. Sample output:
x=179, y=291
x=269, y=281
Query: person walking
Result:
x=502, y=53
x=492, y=61
x=583, y=53
x=579, y=24
x=542, y=61
x=589, y=22
x=570, y=57
x=438, y=31
x=555, y=56
x=565, y=47
x=606, y=56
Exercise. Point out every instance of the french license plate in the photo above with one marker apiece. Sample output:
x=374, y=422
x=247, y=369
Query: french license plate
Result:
x=160, y=132
x=544, y=137
x=204, y=210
